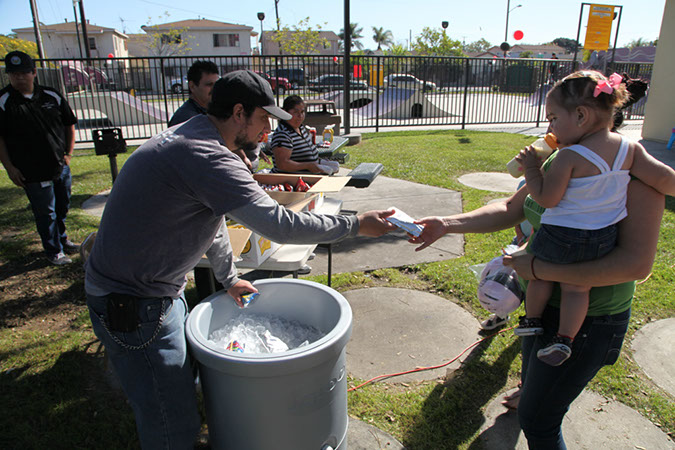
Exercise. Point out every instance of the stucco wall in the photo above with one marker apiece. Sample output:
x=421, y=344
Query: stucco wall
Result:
x=660, y=108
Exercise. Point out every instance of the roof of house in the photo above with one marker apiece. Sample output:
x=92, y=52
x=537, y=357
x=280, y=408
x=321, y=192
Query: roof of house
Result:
x=197, y=24
x=69, y=27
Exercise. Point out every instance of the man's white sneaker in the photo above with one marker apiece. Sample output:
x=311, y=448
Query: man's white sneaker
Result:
x=59, y=259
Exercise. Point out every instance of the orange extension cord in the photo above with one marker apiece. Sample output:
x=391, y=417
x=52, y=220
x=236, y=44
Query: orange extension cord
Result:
x=420, y=369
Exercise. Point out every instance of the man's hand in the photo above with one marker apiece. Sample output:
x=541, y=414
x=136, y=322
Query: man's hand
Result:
x=240, y=288
x=375, y=223
x=16, y=176
x=67, y=158
x=434, y=229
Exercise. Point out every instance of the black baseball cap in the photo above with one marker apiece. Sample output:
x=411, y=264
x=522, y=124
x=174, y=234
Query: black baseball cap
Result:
x=249, y=88
x=17, y=61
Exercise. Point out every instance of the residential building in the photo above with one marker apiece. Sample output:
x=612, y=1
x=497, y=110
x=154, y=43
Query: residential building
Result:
x=203, y=37
x=60, y=40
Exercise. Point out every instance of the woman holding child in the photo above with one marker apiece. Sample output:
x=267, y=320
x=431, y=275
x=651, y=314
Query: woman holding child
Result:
x=548, y=389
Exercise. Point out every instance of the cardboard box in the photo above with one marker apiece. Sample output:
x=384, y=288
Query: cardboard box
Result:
x=238, y=239
x=256, y=249
x=319, y=184
x=252, y=248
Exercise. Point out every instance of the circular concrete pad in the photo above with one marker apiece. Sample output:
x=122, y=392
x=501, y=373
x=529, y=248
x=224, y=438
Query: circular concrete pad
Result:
x=397, y=330
x=361, y=436
x=490, y=181
x=592, y=422
x=654, y=351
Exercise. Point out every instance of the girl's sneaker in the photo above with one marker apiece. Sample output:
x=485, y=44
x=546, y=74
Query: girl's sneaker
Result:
x=494, y=321
x=557, y=352
x=529, y=326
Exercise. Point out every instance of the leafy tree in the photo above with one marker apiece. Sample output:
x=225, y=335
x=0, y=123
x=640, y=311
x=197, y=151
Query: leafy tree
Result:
x=396, y=50
x=300, y=39
x=568, y=44
x=480, y=45
x=432, y=42
x=171, y=42
x=640, y=42
x=11, y=43
x=382, y=37
x=526, y=54
x=355, y=34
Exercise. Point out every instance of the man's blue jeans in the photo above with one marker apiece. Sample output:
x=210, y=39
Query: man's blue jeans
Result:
x=154, y=369
x=548, y=391
x=50, y=201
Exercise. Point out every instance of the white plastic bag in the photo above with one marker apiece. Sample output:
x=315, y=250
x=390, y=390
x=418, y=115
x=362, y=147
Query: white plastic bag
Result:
x=499, y=290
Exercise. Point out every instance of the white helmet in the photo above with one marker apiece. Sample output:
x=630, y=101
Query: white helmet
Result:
x=499, y=290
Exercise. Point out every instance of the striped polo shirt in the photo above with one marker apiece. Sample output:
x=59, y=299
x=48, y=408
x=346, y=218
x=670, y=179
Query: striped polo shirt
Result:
x=302, y=149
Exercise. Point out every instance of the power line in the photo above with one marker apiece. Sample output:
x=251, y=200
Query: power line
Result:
x=186, y=10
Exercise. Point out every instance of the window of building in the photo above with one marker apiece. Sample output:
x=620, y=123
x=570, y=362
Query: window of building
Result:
x=226, y=40
x=168, y=39
x=92, y=43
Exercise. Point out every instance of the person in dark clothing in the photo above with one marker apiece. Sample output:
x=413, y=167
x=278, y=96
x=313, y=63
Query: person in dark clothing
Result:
x=37, y=137
x=201, y=76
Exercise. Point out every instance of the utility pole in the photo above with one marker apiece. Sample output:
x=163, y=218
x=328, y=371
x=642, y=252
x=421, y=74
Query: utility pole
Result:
x=77, y=30
x=83, y=21
x=36, y=29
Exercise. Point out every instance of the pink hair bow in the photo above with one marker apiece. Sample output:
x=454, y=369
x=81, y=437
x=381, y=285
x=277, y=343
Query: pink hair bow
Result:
x=607, y=86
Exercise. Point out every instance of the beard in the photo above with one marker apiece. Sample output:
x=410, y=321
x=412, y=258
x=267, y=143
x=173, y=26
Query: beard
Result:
x=241, y=141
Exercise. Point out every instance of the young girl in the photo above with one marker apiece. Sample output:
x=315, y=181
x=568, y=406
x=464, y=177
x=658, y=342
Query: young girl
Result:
x=584, y=191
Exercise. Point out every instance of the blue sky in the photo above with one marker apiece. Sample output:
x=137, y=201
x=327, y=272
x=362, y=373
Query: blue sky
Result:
x=540, y=20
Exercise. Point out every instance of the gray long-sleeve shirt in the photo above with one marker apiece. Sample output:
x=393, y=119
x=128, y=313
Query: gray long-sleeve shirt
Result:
x=166, y=208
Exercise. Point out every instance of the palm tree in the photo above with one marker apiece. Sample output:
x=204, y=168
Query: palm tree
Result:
x=382, y=37
x=355, y=34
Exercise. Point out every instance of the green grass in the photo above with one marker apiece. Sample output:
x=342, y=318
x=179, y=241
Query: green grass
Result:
x=55, y=396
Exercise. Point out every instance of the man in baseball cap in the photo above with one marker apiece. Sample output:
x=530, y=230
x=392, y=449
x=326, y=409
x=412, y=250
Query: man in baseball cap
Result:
x=17, y=61
x=163, y=214
x=37, y=137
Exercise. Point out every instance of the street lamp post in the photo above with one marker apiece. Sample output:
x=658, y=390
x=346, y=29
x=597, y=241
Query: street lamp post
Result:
x=506, y=31
x=261, y=17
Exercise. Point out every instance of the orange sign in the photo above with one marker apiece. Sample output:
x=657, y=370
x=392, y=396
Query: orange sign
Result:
x=599, y=27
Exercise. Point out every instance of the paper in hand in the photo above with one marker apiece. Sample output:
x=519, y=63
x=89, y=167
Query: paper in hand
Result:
x=405, y=222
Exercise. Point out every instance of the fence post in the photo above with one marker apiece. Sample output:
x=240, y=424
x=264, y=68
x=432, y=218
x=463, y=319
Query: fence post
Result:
x=544, y=70
x=377, y=97
x=163, y=80
x=466, y=93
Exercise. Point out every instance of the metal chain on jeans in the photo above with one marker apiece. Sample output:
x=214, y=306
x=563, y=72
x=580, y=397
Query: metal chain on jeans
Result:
x=135, y=347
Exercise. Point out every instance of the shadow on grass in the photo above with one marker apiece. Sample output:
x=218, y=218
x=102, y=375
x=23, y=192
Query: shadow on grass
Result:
x=37, y=289
x=68, y=405
x=452, y=413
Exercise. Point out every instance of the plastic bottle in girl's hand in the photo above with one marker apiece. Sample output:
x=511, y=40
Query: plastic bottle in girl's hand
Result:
x=542, y=146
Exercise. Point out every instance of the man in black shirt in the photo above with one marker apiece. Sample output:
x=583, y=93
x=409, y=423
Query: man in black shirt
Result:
x=201, y=76
x=37, y=137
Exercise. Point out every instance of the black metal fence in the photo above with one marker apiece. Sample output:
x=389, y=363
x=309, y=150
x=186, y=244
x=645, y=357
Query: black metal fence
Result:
x=139, y=95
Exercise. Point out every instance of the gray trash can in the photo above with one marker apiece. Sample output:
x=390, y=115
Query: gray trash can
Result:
x=294, y=400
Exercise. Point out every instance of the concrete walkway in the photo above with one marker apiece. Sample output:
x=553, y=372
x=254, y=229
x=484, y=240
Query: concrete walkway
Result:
x=593, y=422
x=654, y=352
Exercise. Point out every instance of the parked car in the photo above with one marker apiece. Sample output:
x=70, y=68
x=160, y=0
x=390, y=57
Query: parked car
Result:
x=295, y=76
x=334, y=82
x=178, y=85
x=405, y=81
x=279, y=85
